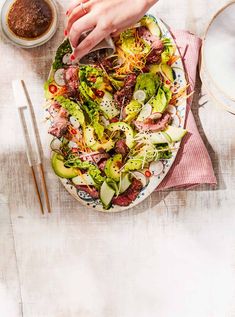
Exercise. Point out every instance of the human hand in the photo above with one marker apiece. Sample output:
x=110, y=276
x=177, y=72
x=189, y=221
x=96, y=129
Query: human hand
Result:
x=103, y=17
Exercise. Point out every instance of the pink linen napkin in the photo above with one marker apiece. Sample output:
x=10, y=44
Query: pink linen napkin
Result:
x=192, y=165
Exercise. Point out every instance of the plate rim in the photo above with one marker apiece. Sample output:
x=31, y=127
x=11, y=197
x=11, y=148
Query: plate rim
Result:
x=232, y=2
x=213, y=96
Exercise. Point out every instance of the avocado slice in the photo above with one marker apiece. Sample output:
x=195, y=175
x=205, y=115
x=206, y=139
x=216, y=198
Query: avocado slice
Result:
x=165, y=69
x=150, y=22
x=129, y=45
x=91, y=142
x=57, y=162
x=126, y=128
x=112, y=167
x=107, y=146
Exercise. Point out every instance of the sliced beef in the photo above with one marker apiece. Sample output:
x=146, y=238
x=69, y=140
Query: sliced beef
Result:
x=95, y=158
x=59, y=128
x=121, y=148
x=124, y=95
x=153, y=125
x=60, y=124
x=130, y=194
x=130, y=81
x=71, y=80
x=102, y=164
x=91, y=190
x=107, y=63
x=151, y=39
x=54, y=108
x=156, y=44
x=154, y=57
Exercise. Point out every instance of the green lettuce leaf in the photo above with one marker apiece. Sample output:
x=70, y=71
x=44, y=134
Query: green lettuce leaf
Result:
x=99, y=128
x=93, y=171
x=63, y=49
x=149, y=83
x=159, y=102
x=72, y=107
x=132, y=110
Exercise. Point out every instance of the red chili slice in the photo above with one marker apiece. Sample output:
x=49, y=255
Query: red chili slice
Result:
x=53, y=89
x=99, y=93
x=148, y=173
x=92, y=79
x=73, y=131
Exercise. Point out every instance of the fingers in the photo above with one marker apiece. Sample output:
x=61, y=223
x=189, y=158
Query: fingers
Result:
x=76, y=14
x=95, y=37
x=84, y=24
x=73, y=5
x=118, y=32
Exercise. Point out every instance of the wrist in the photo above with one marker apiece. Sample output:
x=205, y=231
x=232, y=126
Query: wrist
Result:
x=149, y=3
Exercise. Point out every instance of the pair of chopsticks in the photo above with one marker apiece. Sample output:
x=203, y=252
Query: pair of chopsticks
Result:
x=23, y=103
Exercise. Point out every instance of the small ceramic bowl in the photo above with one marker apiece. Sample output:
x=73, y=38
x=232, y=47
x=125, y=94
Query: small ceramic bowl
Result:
x=23, y=42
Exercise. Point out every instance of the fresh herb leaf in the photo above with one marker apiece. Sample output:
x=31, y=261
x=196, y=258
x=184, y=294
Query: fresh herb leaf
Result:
x=63, y=49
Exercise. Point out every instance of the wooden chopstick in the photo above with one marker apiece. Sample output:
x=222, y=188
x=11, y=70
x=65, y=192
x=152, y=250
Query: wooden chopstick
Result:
x=28, y=153
x=44, y=185
x=26, y=104
x=38, y=145
x=37, y=190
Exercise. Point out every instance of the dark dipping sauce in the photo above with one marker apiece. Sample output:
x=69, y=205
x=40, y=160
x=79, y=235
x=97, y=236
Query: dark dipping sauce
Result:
x=30, y=18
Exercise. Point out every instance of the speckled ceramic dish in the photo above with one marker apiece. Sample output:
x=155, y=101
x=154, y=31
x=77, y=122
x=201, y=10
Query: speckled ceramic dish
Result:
x=159, y=169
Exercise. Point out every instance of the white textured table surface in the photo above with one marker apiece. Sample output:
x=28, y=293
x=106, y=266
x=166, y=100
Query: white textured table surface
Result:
x=172, y=256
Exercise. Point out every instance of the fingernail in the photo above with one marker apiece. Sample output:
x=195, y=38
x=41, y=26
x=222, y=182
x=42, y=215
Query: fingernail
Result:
x=72, y=57
x=65, y=32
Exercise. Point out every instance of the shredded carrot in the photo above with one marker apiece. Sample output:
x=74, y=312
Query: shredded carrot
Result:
x=61, y=91
x=172, y=60
x=80, y=174
x=182, y=93
x=131, y=61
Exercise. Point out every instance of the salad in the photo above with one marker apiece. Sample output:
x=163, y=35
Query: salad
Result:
x=111, y=120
